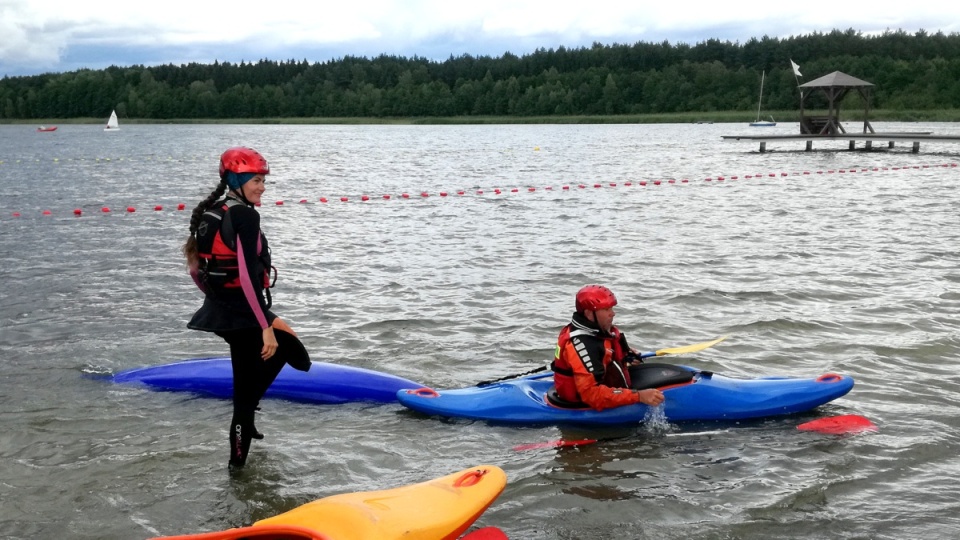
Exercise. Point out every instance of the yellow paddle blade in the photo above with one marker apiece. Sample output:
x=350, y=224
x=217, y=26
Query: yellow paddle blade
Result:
x=691, y=348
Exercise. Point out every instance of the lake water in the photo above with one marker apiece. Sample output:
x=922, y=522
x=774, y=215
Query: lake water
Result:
x=812, y=262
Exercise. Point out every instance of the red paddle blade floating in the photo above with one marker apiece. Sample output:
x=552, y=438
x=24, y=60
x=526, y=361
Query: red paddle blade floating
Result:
x=553, y=444
x=486, y=533
x=838, y=425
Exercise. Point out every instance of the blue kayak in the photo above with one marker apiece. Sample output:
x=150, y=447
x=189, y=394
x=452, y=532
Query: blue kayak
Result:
x=701, y=396
x=324, y=383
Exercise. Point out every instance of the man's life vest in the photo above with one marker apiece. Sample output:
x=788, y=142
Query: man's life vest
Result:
x=219, y=269
x=600, y=355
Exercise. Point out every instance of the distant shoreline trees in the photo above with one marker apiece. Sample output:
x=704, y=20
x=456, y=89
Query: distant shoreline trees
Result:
x=918, y=71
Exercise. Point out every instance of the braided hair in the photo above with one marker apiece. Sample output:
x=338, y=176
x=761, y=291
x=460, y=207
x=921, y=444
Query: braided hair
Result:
x=190, y=246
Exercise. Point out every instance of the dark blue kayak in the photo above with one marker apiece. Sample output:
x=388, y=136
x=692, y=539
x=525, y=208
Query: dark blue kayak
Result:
x=324, y=383
x=702, y=396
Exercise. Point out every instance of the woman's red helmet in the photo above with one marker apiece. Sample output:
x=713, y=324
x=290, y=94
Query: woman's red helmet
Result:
x=594, y=297
x=241, y=159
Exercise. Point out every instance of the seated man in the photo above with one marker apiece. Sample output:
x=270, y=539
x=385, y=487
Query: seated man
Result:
x=592, y=356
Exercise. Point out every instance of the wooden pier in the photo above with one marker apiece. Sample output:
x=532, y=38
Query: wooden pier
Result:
x=868, y=138
x=832, y=88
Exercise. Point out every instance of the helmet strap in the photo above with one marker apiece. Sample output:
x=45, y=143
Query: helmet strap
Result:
x=239, y=195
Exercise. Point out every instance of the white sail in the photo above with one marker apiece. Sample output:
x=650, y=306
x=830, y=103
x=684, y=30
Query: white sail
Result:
x=112, y=124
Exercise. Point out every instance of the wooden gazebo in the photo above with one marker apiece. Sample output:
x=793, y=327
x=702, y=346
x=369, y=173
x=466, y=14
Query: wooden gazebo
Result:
x=835, y=87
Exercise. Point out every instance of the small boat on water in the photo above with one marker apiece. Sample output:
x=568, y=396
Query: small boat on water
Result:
x=444, y=507
x=691, y=395
x=112, y=123
x=325, y=383
x=758, y=122
x=47, y=128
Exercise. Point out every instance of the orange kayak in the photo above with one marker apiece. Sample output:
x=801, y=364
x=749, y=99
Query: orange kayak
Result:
x=438, y=509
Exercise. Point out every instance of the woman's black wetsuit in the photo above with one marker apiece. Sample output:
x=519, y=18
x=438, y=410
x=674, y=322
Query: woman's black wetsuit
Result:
x=239, y=314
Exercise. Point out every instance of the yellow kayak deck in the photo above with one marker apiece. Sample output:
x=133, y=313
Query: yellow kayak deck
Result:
x=438, y=509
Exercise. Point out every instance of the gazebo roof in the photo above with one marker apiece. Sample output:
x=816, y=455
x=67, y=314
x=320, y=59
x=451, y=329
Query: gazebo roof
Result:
x=836, y=80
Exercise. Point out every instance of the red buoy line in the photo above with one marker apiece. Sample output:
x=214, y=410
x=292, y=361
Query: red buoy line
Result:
x=530, y=189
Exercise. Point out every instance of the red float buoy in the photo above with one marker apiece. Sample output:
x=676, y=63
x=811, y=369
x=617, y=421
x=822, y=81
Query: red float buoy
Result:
x=47, y=212
x=364, y=198
x=344, y=199
x=181, y=206
x=279, y=203
x=405, y=196
x=16, y=214
x=443, y=193
x=157, y=208
x=566, y=188
x=77, y=211
x=303, y=201
x=323, y=199
x=105, y=209
x=387, y=197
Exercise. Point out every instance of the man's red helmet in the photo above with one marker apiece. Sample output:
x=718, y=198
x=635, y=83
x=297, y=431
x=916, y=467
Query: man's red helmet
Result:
x=594, y=297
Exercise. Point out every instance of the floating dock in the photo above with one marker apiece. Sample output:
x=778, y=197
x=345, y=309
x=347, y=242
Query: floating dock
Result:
x=868, y=139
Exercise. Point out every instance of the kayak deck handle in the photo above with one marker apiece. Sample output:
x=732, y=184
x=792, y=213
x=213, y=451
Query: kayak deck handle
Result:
x=830, y=378
x=470, y=478
x=424, y=392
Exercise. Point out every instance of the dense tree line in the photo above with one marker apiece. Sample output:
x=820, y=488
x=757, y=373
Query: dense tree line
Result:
x=911, y=71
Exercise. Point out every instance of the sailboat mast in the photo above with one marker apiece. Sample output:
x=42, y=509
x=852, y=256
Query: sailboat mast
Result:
x=763, y=74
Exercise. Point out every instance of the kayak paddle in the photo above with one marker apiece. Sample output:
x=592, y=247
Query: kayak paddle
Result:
x=696, y=347
x=839, y=425
x=486, y=533
x=553, y=444
x=831, y=425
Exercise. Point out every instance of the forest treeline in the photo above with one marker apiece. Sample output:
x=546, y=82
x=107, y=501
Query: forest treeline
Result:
x=918, y=71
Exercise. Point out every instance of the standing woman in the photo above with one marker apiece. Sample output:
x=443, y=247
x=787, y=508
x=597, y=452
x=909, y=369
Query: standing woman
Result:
x=229, y=259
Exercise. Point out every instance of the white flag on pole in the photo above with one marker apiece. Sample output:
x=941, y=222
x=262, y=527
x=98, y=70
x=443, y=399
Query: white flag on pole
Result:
x=796, y=69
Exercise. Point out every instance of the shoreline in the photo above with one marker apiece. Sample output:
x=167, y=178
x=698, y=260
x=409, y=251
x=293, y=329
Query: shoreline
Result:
x=879, y=115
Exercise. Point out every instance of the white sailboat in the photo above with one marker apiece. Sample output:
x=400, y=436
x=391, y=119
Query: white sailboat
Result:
x=758, y=122
x=112, y=124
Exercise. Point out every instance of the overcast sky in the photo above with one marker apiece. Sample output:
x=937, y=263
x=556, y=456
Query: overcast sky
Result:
x=38, y=36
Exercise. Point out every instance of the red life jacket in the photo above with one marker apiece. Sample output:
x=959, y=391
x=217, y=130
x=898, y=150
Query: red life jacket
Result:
x=608, y=372
x=217, y=248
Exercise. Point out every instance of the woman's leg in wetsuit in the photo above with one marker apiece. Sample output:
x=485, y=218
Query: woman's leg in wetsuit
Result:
x=252, y=376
